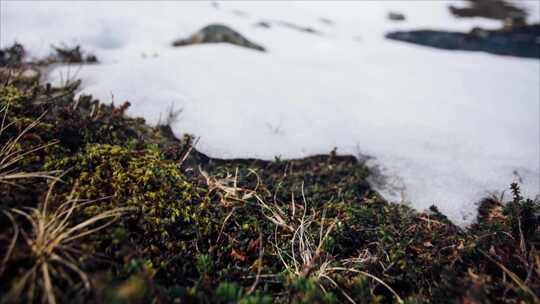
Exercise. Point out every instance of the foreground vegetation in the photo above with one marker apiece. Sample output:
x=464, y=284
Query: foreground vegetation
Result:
x=100, y=207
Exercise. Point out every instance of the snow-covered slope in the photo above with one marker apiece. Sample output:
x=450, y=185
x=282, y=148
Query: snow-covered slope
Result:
x=445, y=128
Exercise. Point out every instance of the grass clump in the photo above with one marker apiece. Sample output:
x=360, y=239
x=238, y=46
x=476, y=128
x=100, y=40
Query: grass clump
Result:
x=13, y=152
x=53, y=245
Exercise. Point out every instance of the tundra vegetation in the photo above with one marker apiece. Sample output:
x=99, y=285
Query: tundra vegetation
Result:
x=99, y=207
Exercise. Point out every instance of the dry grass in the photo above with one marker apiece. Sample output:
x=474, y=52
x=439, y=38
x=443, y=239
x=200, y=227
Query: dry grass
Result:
x=305, y=252
x=12, y=243
x=228, y=189
x=307, y=256
x=11, y=153
x=52, y=242
x=515, y=278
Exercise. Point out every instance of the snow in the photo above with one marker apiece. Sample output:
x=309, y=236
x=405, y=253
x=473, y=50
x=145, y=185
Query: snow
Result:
x=442, y=127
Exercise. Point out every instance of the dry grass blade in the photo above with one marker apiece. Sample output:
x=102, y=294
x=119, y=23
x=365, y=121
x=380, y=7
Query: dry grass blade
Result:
x=228, y=187
x=519, y=282
x=336, y=285
x=259, y=265
x=276, y=216
x=11, y=154
x=537, y=264
x=12, y=242
x=47, y=283
x=306, y=255
x=223, y=225
x=191, y=146
x=50, y=240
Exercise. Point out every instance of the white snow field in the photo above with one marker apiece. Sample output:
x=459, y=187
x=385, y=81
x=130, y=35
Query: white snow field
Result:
x=444, y=127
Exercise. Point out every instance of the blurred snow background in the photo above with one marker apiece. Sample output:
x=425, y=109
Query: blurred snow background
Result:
x=442, y=127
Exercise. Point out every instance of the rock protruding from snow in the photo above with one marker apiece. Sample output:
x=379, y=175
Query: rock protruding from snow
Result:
x=395, y=16
x=519, y=41
x=217, y=33
x=493, y=9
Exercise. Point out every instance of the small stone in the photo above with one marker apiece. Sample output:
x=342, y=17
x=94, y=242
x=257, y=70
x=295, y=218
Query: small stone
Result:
x=263, y=24
x=326, y=21
x=394, y=16
x=217, y=33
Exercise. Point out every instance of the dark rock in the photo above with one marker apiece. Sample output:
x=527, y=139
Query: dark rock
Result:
x=300, y=28
x=480, y=33
x=217, y=33
x=240, y=13
x=263, y=24
x=326, y=21
x=394, y=16
x=493, y=9
x=520, y=41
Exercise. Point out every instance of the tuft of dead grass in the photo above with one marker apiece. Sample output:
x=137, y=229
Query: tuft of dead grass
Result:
x=11, y=153
x=306, y=254
x=52, y=242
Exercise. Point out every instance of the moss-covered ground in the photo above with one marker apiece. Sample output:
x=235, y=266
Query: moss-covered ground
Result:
x=199, y=230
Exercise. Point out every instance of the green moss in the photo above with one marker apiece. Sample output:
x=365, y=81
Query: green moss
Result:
x=10, y=95
x=142, y=179
x=233, y=293
x=165, y=216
